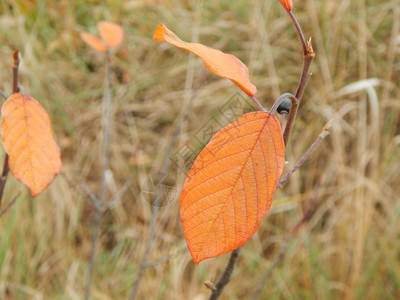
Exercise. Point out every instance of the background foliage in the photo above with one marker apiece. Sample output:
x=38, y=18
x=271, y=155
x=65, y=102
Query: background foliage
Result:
x=350, y=246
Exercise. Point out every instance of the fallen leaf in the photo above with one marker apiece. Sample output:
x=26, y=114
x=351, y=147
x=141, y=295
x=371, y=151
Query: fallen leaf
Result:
x=93, y=41
x=111, y=33
x=230, y=187
x=28, y=139
x=220, y=63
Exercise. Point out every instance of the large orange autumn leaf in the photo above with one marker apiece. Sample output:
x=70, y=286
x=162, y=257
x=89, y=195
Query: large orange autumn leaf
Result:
x=222, y=64
x=230, y=187
x=28, y=139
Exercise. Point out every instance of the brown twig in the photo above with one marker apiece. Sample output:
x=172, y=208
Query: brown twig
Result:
x=4, y=210
x=82, y=193
x=226, y=275
x=98, y=205
x=3, y=95
x=156, y=205
x=15, y=67
x=6, y=169
x=163, y=260
x=308, y=56
x=257, y=103
x=306, y=155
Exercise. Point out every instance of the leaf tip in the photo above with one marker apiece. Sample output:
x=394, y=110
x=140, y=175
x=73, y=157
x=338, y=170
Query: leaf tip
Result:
x=287, y=4
x=93, y=41
x=159, y=33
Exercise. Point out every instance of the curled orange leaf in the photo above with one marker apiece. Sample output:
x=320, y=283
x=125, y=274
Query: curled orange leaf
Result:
x=93, y=41
x=222, y=64
x=28, y=139
x=230, y=187
x=287, y=4
x=111, y=33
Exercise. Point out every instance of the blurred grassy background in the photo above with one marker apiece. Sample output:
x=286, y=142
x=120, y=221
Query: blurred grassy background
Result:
x=349, y=248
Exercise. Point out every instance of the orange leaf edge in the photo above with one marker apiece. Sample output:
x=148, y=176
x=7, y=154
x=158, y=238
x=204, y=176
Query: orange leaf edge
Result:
x=93, y=41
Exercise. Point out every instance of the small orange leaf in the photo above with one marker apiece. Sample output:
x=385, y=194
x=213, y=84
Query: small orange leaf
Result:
x=111, y=33
x=93, y=41
x=28, y=139
x=230, y=187
x=287, y=4
x=222, y=64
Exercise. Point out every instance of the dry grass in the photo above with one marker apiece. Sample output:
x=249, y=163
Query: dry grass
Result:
x=348, y=249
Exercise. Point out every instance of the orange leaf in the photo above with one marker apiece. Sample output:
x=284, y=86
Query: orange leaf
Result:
x=93, y=41
x=27, y=136
x=287, y=4
x=111, y=33
x=230, y=187
x=222, y=64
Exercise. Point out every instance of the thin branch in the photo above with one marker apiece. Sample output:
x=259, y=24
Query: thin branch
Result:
x=9, y=205
x=107, y=128
x=3, y=178
x=6, y=169
x=156, y=206
x=118, y=196
x=106, y=151
x=93, y=247
x=89, y=194
x=309, y=55
x=3, y=95
x=15, y=71
x=299, y=31
x=226, y=275
x=81, y=193
x=305, y=75
x=257, y=103
x=163, y=260
x=324, y=133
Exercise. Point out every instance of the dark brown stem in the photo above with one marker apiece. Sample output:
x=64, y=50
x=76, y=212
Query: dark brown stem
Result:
x=15, y=71
x=3, y=178
x=309, y=55
x=226, y=275
x=6, y=169
x=299, y=31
